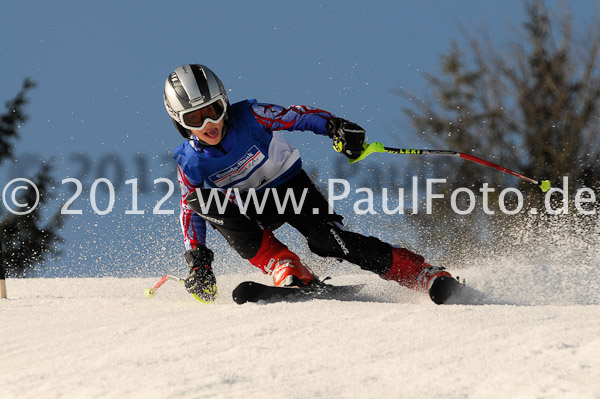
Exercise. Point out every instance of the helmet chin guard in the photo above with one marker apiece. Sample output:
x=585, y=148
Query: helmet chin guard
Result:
x=185, y=133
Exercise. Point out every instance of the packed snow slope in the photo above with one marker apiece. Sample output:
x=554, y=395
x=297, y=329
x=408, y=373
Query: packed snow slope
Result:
x=530, y=336
x=528, y=326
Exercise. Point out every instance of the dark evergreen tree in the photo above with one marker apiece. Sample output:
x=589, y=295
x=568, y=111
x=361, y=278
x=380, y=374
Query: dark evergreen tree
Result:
x=533, y=107
x=26, y=242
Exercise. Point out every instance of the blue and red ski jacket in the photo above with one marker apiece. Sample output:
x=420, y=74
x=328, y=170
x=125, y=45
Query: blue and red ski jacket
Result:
x=256, y=155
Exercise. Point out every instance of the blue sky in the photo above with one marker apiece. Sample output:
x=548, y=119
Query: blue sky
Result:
x=101, y=66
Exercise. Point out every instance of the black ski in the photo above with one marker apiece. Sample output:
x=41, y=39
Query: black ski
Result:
x=250, y=291
x=444, y=288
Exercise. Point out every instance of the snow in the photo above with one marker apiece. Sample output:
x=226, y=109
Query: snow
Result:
x=102, y=338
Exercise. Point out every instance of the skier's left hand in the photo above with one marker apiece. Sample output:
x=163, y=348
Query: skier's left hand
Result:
x=348, y=137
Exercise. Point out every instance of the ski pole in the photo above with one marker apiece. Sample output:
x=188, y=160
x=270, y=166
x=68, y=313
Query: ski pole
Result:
x=369, y=149
x=150, y=292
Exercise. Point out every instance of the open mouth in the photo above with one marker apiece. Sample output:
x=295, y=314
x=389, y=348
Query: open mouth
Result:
x=212, y=133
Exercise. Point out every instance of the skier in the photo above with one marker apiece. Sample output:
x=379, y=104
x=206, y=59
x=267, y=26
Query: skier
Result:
x=241, y=146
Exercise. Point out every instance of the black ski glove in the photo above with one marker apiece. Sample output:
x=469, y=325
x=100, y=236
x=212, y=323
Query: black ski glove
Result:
x=348, y=137
x=201, y=281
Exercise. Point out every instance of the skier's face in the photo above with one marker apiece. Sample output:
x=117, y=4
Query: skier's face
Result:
x=211, y=134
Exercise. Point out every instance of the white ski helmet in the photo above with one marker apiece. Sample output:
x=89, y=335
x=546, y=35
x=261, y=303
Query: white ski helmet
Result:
x=193, y=96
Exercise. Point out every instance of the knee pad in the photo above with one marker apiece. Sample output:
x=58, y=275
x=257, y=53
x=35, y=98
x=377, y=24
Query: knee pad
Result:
x=370, y=253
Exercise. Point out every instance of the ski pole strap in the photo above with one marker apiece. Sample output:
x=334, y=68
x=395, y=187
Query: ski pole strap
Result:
x=371, y=148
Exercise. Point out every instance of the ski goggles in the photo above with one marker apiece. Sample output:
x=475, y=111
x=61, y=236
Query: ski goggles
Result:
x=197, y=118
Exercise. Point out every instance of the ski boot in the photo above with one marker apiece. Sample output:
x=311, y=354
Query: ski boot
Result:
x=291, y=273
x=276, y=259
x=410, y=270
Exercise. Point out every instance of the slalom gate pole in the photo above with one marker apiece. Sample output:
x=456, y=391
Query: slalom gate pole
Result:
x=2, y=273
x=2, y=283
x=544, y=185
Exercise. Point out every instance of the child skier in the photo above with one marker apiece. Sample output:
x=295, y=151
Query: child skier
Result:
x=240, y=146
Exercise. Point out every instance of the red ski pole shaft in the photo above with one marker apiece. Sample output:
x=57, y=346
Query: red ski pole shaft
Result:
x=468, y=157
x=152, y=291
x=378, y=147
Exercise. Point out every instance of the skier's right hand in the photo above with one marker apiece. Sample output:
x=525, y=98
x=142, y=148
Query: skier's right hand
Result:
x=201, y=281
